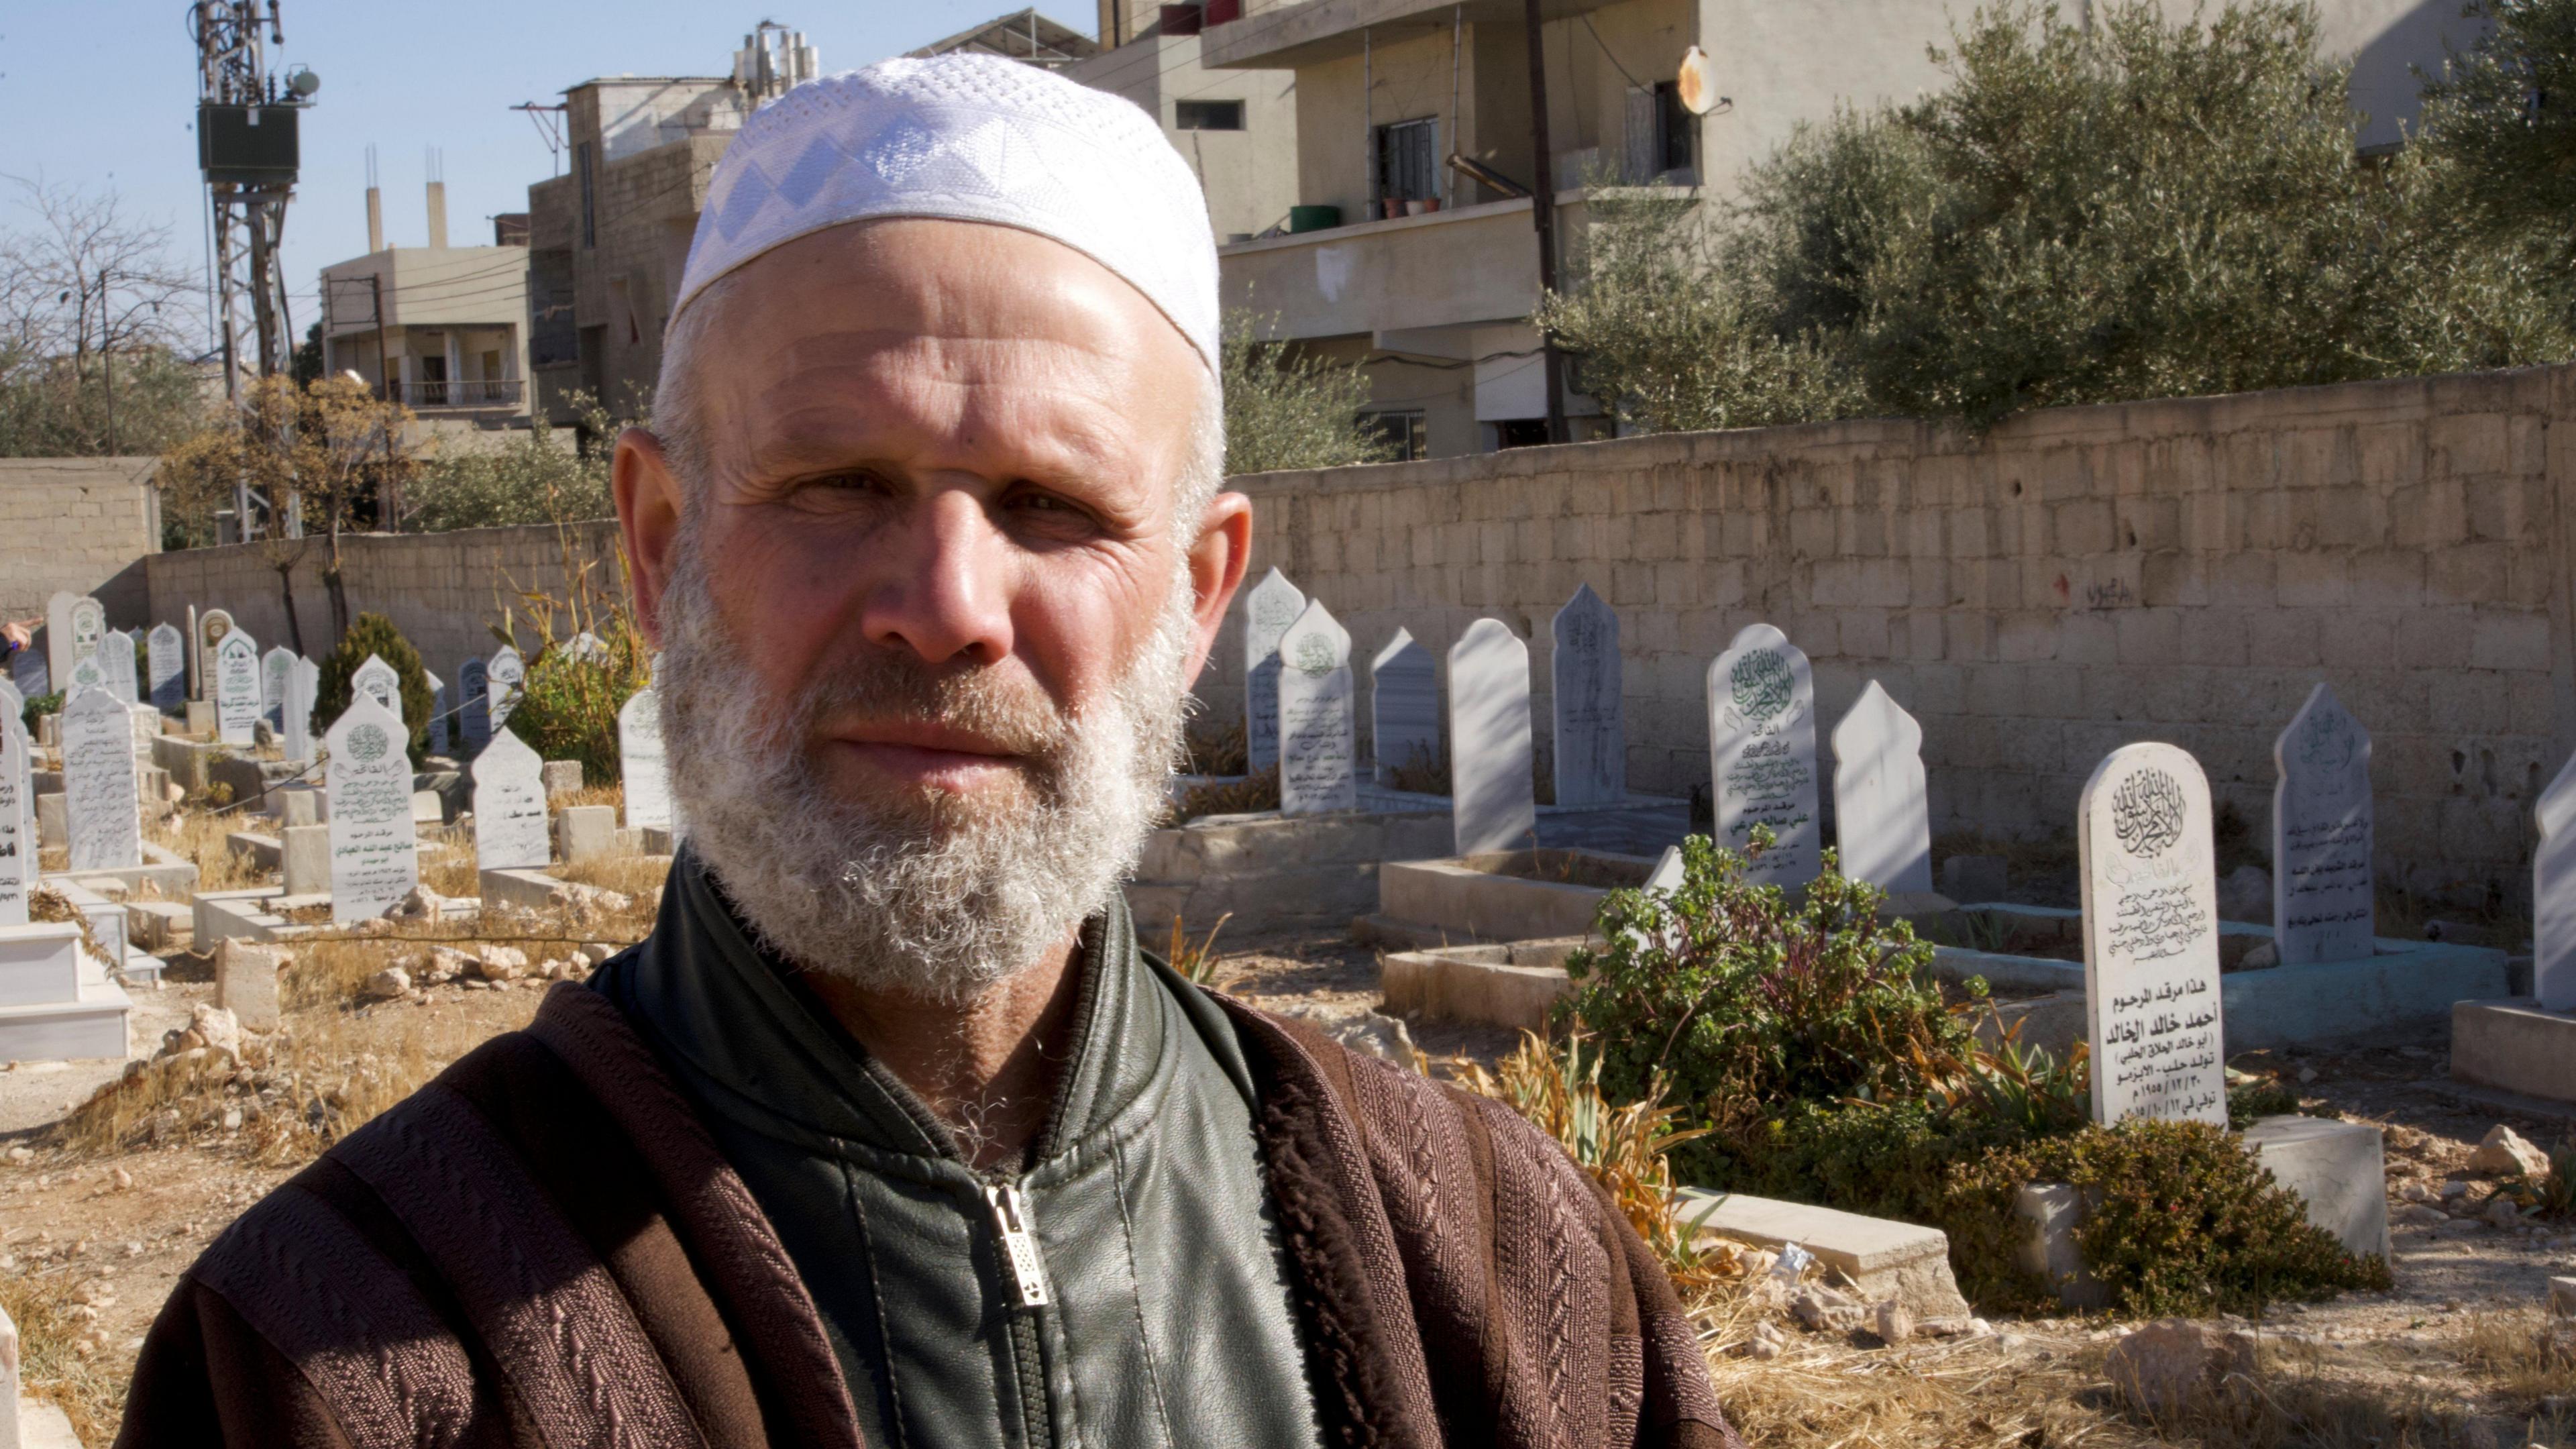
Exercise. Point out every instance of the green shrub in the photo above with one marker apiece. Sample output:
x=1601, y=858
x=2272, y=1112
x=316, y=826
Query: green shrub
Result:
x=37, y=707
x=568, y=705
x=375, y=634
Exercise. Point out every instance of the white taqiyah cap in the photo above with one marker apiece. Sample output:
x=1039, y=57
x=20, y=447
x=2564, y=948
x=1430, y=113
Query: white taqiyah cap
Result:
x=968, y=138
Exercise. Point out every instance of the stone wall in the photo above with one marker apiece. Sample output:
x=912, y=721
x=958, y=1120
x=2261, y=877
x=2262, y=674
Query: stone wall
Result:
x=444, y=591
x=83, y=524
x=2180, y=570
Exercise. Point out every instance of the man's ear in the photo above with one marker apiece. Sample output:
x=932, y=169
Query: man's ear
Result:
x=648, y=519
x=1217, y=562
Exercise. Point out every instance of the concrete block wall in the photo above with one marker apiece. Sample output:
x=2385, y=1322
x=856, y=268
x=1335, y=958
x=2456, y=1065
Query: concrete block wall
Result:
x=2179, y=570
x=83, y=524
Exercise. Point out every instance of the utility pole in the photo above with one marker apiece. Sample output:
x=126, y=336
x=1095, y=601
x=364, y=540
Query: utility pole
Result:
x=1543, y=212
x=385, y=390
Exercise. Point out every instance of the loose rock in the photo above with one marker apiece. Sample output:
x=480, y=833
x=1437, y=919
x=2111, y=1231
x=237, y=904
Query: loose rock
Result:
x=389, y=984
x=2164, y=1366
x=2507, y=1153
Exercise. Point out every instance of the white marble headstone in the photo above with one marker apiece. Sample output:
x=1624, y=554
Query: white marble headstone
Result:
x=167, y=676
x=212, y=626
x=380, y=682
x=74, y=623
x=1404, y=708
x=1268, y=610
x=375, y=858
x=2553, y=894
x=17, y=825
x=502, y=678
x=587, y=648
x=1882, y=819
x=475, y=718
x=1590, y=718
x=99, y=783
x=1493, y=800
x=274, y=669
x=509, y=806
x=116, y=656
x=303, y=685
x=438, y=721
x=1762, y=753
x=2151, y=988
x=14, y=703
x=87, y=674
x=236, y=688
x=2322, y=887
x=1318, y=731
x=641, y=765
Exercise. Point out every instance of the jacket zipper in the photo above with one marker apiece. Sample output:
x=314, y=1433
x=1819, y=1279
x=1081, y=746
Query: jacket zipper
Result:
x=1027, y=1274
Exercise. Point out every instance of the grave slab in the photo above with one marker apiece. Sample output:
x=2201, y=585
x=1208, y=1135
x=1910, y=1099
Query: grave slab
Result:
x=585, y=832
x=1513, y=985
x=255, y=915
x=2515, y=1045
x=1882, y=1258
x=1271, y=871
x=304, y=859
x=162, y=870
x=2338, y=1171
x=56, y=1001
x=1500, y=896
x=161, y=925
x=246, y=982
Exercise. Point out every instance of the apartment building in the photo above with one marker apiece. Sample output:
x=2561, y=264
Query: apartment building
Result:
x=441, y=328
x=1236, y=128
x=1427, y=267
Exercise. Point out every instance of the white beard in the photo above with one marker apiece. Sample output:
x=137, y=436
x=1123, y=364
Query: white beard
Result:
x=924, y=893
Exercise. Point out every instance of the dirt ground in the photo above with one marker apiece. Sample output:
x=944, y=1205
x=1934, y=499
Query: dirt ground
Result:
x=2442, y=1359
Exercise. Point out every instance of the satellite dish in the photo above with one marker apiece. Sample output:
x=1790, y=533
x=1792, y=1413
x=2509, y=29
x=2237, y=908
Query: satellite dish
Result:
x=303, y=82
x=1698, y=82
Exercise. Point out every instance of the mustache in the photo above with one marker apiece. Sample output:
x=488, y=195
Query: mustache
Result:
x=1013, y=713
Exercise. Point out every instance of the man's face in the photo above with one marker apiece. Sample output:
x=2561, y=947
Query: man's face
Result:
x=933, y=549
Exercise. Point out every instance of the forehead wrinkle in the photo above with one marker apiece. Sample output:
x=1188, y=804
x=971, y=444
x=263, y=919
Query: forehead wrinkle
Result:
x=818, y=418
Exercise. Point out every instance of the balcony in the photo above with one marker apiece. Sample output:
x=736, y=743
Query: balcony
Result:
x=500, y=393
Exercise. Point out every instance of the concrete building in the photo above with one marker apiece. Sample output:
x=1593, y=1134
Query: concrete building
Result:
x=1236, y=128
x=1024, y=36
x=441, y=328
x=1429, y=269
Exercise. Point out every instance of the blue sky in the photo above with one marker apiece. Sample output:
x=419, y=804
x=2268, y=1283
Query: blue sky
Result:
x=100, y=93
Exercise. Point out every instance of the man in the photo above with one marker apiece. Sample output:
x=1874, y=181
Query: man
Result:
x=890, y=1134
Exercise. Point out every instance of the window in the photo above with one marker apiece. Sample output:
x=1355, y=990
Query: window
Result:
x=1673, y=128
x=1408, y=160
x=1520, y=433
x=1403, y=433
x=1207, y=115
x=589, y=195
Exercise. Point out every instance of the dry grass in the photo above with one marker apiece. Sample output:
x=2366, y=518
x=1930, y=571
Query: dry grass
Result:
x=59, y=1355
x=633, y=875
x=609, y=795
x=198, y=836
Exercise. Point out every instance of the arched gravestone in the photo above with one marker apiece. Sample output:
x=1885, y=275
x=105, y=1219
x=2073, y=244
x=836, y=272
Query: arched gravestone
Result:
x=2553, y=894
x=1589, y=715
x=641, y=764
x=375, y=859
x=167, y=673
x=275, y=668
x=236, y=688
x=439, y=724
x=502, y=677
x=1268, y=610
x=17, y=825
x=2322, y=891
x=379, y=681
x=1318, y=735
x=212, y=626
x=1493, y=801
x=1404, y=714
x=1762, y=753
x=1882, y=820
x=509, y=806
x=100, y=787
x=87, y=674
x=74, y=623
x=2151, y=989
x=474, y=718
x=116, y=656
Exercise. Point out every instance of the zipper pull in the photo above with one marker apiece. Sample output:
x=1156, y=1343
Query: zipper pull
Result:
x=1019, y=1245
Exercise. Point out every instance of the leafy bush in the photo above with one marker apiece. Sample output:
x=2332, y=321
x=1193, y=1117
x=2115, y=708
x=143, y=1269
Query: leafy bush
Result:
x=544, y=475
x=375, y=634
x=568, y=705
x=37, y=707
x=1285, y=410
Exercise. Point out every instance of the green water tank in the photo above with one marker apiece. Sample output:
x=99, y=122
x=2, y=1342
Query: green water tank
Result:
x=1313, y=218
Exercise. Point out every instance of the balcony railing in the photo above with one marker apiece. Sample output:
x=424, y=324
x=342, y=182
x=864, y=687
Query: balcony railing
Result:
x=497, y=393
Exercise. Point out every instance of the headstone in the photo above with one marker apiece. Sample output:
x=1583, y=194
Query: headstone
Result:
x=1268, y=610
x=438, y=734
x=641, y=763
x=74, y=623
x=509, y=806
x=476, y=714
x=212, y=626
x=375, y=857
x=2322, y=835
x=304, y=857
x=586, y=648
x=87, y=673
x=1591, y=729
x=196, y=664
x=275, y=668
x=1493, y=801
x=2553, y=894
x=1318, y=736
x=100, y=786
x=380, y=682
x=303, y=680
x=1404, y=708
x=236, y=688
x=1882, y=819
x=14, y=702
x=502, y=678
x=17, y=825
x=167, y=672
x=116, y=656
x=29, y=669
x=1762, y=753
x=586, y=832
x=2151, y=989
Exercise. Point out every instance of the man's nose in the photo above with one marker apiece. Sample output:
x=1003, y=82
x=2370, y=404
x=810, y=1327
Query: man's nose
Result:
x=945, y=595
